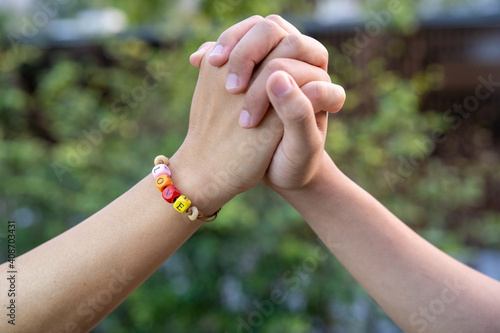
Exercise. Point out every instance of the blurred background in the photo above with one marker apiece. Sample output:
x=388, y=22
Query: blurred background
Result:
x=91, y=91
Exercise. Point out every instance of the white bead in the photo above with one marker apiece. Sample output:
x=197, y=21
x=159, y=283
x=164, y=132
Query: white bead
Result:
x=194, y=214
x=160, y=159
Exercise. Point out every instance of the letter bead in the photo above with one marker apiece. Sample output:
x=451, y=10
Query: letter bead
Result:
x=182, y=204
x=162, y=182
x=161, y=169
x=170, y=193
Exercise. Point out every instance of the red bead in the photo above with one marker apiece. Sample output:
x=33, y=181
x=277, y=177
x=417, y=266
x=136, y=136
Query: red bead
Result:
x=170, y=193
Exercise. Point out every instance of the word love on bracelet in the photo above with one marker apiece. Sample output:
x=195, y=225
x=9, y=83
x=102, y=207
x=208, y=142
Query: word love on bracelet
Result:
x=161, y=173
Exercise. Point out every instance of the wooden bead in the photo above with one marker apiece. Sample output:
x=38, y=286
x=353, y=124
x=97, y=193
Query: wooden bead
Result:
x=161, y=169
x=194, y=213
x=160, y=159
x=170, y=193
x=162, y=182
x=182, y=204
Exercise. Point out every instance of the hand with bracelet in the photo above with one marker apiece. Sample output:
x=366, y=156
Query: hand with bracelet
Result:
x=112, y=252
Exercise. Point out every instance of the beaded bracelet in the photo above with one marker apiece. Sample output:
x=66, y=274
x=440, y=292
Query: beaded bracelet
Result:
x=161, y=173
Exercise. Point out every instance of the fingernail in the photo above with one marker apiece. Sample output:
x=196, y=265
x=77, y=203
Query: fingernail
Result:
x=244, y=118
x=232, y=81
x=282, y=86
x=217, y=50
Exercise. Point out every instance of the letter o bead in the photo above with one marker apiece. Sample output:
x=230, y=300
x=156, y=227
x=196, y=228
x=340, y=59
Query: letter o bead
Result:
x=170, y=193
x=161, y=169
x=162, y=182
x=182, y=204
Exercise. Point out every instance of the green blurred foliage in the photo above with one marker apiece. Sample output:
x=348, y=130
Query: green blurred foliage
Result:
x=78, y=130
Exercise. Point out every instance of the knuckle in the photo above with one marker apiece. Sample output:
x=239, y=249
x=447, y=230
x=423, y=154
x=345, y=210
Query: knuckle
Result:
x=341, y=94
x=275, y=18
x=320, y=49
x=206, y=46
x=323, y=58
x=256, y=18
x=316, y=74
x=252, y=97
x=237, y=58
x=300, y=110
x=241, y=61
x=340, y=97
x=320, y=94
x=224, y=36
x=294, y=44
x=274, y=65
x=236, y=55
x=271, y=27
x=326, y=97
x=326, y=76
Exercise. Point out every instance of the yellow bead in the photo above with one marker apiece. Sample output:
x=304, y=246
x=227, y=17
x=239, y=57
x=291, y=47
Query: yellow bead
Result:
x=182, y=204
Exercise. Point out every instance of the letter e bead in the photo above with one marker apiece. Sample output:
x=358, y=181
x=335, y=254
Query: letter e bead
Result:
x=182, y=204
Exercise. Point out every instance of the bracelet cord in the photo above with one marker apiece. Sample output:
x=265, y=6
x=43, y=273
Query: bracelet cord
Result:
x=161, y=173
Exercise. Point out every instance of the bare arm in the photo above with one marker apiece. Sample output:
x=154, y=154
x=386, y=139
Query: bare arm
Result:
x=73, y=281
x=421, y=288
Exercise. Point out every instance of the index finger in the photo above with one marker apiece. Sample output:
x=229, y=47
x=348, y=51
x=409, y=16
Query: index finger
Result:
x=250, y=51
x=253, y=48
x=246, y=48
x=229, y=38
x=232, y=36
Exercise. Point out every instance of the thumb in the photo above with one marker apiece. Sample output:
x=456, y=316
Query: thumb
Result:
x=295, y=110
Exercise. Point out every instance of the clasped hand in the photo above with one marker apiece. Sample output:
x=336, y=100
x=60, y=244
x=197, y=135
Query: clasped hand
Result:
x=259, y=111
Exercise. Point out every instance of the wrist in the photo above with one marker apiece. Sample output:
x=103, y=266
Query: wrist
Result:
x=326, y=177
x=196, y=182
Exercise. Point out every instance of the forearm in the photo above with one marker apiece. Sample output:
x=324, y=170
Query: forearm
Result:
x=417, y=285
x=73, y=281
